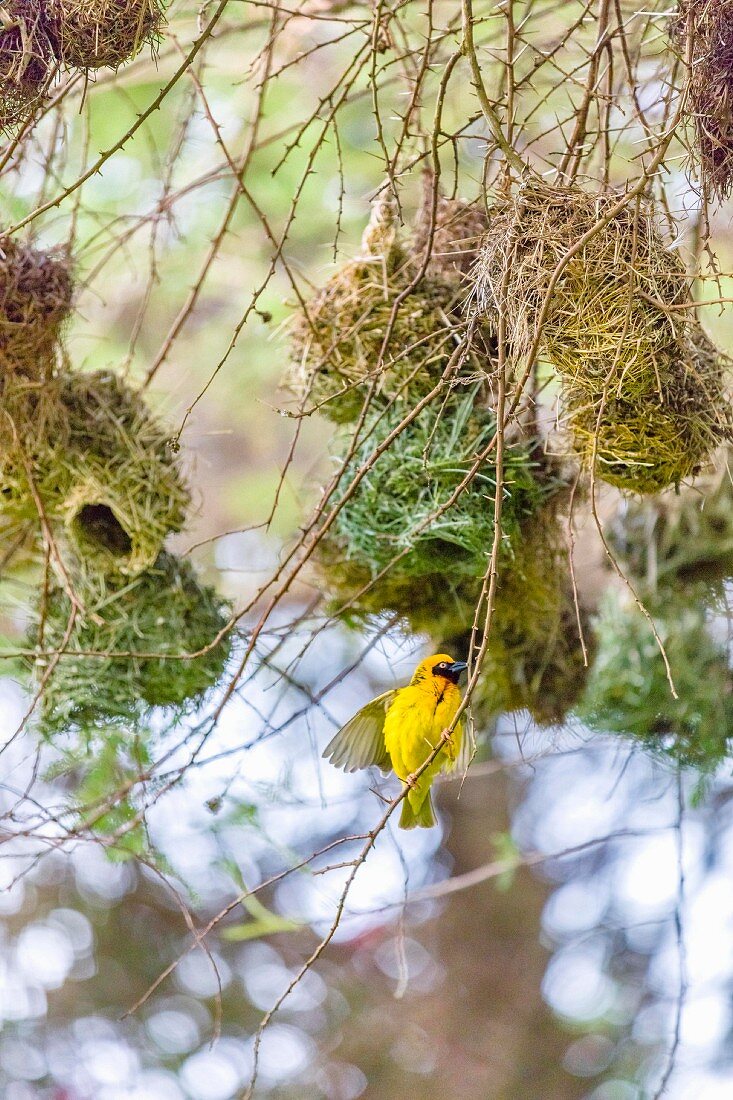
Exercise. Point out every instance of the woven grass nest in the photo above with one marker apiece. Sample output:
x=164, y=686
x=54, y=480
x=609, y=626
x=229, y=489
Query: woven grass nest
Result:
x=352, y=339
x=87, y=446
x=458, y=231
x=628, y=692
x=165, y=611
x=647, y=443
x=680, y=537
x=36, y=291
x=534, y=659
x=637, y=375
x=432, y=570
x=27, y=60
x=96, y=34
x=703, y=32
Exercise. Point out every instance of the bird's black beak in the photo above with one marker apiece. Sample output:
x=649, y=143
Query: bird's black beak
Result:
x=453, y=672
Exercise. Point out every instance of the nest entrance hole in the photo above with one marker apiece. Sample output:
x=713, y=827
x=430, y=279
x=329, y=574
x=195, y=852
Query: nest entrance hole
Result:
x=98, y=526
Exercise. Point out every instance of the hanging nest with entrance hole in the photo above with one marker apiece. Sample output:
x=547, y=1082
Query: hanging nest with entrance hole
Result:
x=36, y=291
x=628, y=692
x=703, y=33
x=535, y=659
x=646, y=443
x=96, y=34
x=387, y=537
x=642, y=385
x=679, y=537
x=355, y=335
x=147, y=630
x=27, y=60
x=89, y=449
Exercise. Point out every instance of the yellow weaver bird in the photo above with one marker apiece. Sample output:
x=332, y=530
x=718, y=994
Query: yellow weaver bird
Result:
x=400, y=729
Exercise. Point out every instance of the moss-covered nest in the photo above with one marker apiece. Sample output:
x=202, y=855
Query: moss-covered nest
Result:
x=645, y=443
x=99, y=462
x=432, y=570
x=628, y=692
x=680, y=537
x=96, y=34
x=36, y=291
x=703, y=32
x=165, y=611
x=27, y=60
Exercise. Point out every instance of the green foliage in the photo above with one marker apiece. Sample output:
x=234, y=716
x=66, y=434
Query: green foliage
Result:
x=165, y=611
x=102, y=779
x=628, y=691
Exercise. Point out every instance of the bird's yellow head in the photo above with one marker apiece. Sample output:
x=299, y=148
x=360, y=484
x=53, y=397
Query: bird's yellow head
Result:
x=440, y=665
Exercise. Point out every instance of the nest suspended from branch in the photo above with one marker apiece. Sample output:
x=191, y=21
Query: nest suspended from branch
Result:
x=646, y=443
x=89, y=449
x=609, y=318
x=534, y=659
x=703, y=32
x=680, y=537
x=36, y=291
x=123, y=489
x=628, y=691
x=642, y=385
x=96, y=34
x=432, y=564
x=165, y=611
x=27, y=60
x=341, y=348
x=33, y=421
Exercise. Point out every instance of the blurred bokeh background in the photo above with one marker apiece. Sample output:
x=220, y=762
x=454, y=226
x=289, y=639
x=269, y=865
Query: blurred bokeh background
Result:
x=567, y=930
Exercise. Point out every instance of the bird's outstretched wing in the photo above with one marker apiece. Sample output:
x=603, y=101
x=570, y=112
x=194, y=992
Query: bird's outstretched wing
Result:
x=360, y=743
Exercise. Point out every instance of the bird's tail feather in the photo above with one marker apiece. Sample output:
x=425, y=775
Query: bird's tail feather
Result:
x=423, y=818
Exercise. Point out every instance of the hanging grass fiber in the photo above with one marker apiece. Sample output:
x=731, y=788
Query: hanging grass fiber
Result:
x=164, y=611
x=36, y=291
x=534, y=659
x=680, y=537
x=96, y=34
x=27, y=60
